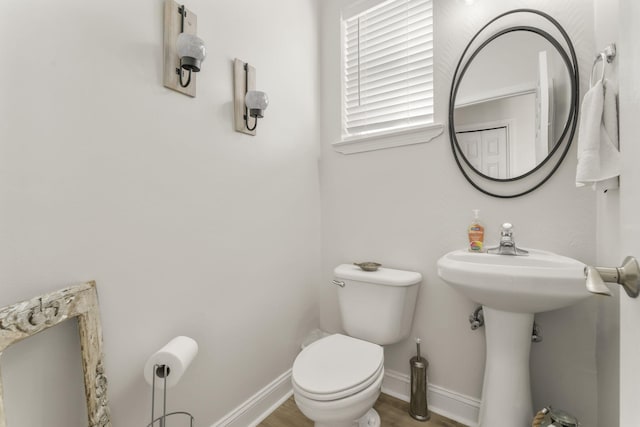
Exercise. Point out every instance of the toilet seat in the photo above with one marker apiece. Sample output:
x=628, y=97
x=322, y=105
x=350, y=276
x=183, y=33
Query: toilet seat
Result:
x=336, y=367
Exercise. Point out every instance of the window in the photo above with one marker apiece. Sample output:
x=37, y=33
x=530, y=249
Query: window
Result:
x=387, y=69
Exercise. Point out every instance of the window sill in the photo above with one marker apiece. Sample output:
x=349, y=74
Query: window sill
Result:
x=361, y=144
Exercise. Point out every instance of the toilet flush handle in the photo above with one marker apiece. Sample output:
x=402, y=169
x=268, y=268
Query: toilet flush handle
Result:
x=338, y=283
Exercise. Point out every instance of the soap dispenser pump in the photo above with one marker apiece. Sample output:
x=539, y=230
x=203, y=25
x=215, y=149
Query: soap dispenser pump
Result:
x=418, y=403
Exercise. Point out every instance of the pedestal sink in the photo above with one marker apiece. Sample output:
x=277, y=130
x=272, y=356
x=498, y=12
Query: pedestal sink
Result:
x=511, y=290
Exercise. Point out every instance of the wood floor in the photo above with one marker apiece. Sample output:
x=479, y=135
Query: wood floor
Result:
x=393, y=413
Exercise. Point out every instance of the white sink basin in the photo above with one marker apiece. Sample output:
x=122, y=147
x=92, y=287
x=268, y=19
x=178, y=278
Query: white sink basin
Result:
x=541, y=281
x=511, y=290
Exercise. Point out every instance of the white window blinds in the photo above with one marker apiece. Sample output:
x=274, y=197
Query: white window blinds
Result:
x=388, y=68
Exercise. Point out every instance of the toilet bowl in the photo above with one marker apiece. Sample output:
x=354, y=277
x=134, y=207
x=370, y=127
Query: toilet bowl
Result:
x=336, y=381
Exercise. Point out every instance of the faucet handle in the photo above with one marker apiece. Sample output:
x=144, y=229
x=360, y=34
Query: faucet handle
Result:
x=506, y=230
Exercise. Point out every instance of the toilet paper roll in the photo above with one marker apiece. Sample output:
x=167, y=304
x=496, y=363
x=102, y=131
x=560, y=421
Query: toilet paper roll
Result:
x=177, y=355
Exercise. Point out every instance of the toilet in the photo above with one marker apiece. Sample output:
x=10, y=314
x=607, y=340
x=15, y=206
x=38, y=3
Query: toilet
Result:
x=337, y=379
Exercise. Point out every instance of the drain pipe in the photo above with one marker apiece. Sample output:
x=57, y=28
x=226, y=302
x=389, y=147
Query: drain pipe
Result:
x=536, y=334
x=476, y=321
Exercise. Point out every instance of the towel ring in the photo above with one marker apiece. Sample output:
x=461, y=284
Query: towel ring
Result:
x=601, y=57
x=606, y=56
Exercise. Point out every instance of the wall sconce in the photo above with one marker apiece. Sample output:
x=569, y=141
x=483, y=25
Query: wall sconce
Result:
x=183, y=50
x=249, y=104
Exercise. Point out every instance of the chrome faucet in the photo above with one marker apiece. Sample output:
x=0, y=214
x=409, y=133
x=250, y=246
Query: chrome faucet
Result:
x=507, y=245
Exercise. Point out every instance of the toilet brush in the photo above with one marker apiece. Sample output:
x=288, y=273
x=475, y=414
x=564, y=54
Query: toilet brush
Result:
x=418, y=403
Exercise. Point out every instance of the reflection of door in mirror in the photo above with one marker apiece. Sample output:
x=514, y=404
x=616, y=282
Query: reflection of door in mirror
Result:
x=487, y=150
x=544, y=109
x=516, y=113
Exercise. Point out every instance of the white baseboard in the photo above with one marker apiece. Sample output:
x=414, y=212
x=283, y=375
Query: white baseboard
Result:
x=455, y=406
x=447, y=403
x=260, y=405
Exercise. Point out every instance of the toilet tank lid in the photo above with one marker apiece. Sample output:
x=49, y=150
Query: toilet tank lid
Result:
x=382, y=276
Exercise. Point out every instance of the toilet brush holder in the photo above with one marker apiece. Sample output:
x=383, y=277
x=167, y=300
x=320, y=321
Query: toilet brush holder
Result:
x=418, y=408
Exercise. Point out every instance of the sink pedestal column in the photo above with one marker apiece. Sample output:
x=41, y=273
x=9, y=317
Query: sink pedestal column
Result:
x=506, y=391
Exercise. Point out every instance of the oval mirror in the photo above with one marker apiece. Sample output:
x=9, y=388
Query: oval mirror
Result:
x=513, y=108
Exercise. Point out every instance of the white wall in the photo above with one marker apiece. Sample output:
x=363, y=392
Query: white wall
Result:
x=187, y=226
x=405, y=207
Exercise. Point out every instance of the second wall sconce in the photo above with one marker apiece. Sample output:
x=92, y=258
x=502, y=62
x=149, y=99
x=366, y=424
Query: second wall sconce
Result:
x=184, y=51
x=249, y=104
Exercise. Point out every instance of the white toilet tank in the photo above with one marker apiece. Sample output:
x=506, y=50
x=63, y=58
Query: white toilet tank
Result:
x=377, y=306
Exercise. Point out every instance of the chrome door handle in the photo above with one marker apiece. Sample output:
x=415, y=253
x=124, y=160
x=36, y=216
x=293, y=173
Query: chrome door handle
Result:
x=338, y=283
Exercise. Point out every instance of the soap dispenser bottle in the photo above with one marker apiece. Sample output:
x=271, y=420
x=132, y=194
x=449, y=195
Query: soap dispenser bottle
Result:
x=476, y=233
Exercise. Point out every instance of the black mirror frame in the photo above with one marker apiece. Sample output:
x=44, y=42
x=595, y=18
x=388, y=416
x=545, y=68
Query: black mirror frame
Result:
x=572, y=119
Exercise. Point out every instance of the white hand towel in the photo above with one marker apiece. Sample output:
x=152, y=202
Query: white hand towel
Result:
x=598, y=155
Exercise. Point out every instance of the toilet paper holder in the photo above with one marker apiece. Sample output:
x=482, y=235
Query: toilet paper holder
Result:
x=166, y=367
x=163, y=371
